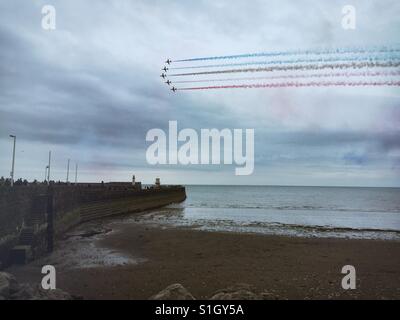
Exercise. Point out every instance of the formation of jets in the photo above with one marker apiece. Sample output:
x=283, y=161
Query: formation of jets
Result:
x=164, y=75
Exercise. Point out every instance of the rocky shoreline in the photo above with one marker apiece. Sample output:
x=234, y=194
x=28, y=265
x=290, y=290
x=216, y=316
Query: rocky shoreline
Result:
x=240, y=291
x=11, y=289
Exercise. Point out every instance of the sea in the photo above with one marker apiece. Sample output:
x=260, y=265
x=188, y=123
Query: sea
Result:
x=342, y=212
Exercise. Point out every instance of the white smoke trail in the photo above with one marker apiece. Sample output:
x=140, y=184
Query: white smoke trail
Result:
x=333, y=66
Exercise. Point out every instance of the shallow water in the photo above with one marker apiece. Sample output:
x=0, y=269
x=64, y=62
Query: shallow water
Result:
x=371, y=213
x=82, y=249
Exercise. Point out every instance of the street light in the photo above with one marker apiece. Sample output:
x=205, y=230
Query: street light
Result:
x=13, y=161
x=48, y=169
x=45, y=174
x=68, y=171
x=76, y=173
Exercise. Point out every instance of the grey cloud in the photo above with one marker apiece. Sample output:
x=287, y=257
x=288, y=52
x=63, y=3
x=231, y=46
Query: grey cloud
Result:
x=384, y=141
x=93, y=84
x=353, y=158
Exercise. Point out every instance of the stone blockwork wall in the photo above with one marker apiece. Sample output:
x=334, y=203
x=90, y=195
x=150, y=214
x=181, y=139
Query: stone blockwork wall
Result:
x=15, y=204
x=72, y=205
x=126, y=202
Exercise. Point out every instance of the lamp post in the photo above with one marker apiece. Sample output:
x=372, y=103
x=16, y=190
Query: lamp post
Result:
x=48, y=169
x=13, y=160
x=68, y=170
x=45, y=173
x=76, y=173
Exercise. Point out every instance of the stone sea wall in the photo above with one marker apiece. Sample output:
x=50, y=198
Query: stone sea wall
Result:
x=33, y=216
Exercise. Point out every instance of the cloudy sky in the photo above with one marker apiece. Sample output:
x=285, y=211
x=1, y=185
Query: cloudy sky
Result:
x=90, y=90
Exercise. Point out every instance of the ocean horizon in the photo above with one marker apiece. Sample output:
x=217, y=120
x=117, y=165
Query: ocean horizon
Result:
x=285, y=186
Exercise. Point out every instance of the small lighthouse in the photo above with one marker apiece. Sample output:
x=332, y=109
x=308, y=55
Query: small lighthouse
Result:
x=158, y=184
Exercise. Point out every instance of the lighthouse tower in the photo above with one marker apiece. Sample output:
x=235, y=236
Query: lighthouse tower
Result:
x=158, y=184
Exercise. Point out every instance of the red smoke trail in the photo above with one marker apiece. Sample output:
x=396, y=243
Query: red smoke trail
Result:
x=296, y=67
x=299, y=76
x=298, y=85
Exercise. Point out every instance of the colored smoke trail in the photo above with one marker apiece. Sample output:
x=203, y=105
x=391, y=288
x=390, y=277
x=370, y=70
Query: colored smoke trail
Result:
x=296, y=67
x=297, y=52
x=298, y=85
x=309, y=60
x=368, y=66
x=300, y=76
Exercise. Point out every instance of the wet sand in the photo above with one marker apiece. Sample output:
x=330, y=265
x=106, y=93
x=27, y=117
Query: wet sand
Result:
x=204, y=262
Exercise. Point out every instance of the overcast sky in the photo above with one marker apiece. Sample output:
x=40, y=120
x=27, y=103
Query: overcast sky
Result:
x=90, y=90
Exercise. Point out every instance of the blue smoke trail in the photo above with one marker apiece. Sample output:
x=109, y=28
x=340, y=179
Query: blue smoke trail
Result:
x=297, y=52
x=308, y=60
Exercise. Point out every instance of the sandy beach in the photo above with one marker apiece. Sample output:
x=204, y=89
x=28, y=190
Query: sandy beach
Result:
x=140, y=260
